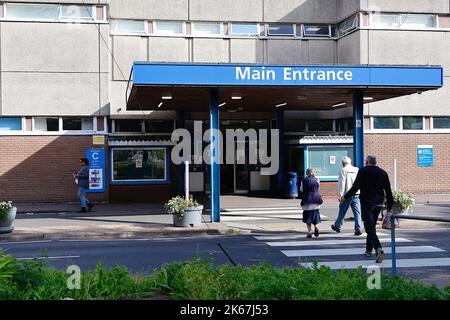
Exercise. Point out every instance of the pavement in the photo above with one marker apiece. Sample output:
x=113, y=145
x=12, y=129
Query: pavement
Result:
x=240, y=214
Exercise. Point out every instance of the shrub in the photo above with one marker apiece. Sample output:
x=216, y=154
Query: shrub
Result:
x=177, y=205
x=4, y=208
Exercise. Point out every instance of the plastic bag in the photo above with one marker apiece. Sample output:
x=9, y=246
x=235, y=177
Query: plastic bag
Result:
x=386, y=222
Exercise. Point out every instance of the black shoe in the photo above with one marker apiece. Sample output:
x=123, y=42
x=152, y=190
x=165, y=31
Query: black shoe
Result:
x=90, y=205
x=358, y=233
x=316, y=231
x=83, y=209
x=309, y=236
x=335, y=229
x=368, y=254
x=380, y=256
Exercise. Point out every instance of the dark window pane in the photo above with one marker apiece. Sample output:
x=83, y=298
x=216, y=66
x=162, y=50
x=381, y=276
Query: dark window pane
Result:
x=52, y=124
x=71, y=123
x=386, y=123
x=412, y=123
x=132, y=125
x=316, y=31
x=320, y=125
x=280, y=30
x=344, y=125
x=159, y=126
x=294, y=125
x=139, y=164
x=441, y=122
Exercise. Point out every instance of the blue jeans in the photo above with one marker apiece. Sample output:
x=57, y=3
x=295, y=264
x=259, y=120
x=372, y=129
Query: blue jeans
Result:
x=356, y=208
x=82, y=196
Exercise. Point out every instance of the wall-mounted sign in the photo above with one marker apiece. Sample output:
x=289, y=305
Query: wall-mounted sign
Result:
x=425, y=155
x=98, y=140
x=97, y=182
x=332, y=159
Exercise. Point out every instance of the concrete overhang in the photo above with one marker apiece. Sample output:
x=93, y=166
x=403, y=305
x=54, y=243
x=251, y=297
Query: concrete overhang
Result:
x=246, y=87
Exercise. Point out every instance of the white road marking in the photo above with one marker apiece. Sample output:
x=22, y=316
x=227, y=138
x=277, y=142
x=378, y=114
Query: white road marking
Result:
x=301, y=236
x=313, y=242
x=263, y=209
x=401, y=263
x=102, y=240
x=50, y=258
x=239, y=218
x=251, y=212
x=25, y=242
x=356, y=251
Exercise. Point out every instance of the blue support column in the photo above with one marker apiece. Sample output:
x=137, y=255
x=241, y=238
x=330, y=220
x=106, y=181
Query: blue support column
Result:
x=358, y=127
x=215, y=165
x=281, y=177
x=180, y=123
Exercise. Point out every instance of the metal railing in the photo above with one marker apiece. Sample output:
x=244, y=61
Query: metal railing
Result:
x=407, y=217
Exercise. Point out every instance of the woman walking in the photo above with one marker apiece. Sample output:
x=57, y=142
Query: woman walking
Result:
x=311, y=202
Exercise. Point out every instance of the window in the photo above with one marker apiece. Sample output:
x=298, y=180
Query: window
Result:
x=159, y=126
x=46, y=124
x=386, y=122
x=77, y=12
x=128, y=26
x=417, y=21
x=139, y=164
x=206, y=29
x=348, y=25
x=441, y=122
x=412, y=123
x=326, y=161
x=244, y=29
x=276, y=29
x=128, y=125
x=77, y=124
x=166, y=27
x=32, y=11
x=294, y=125
x=344, y=125
x=316, y=31
x=10, y=124
x=385, y=20
x=320, y=125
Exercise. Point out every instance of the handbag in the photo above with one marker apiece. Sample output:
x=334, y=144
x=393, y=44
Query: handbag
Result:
x=386, y=222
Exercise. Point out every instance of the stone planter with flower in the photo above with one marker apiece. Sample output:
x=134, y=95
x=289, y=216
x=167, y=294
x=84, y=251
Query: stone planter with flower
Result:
x=7, y=216
x=186, y=213
x=403, y=202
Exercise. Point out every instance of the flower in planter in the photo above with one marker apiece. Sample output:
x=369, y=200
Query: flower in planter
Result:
x=4, y=208
x=177, y=205
x=403, y=200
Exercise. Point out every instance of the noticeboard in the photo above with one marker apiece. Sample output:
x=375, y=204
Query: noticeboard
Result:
x=425, y=155
x=97, y=181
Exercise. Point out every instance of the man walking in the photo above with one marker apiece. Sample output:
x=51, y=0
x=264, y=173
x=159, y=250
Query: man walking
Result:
x=346, y=180
x=373, y=182
x=82, y=180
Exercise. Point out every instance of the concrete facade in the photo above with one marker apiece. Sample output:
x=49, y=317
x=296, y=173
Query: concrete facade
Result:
x=81, y=69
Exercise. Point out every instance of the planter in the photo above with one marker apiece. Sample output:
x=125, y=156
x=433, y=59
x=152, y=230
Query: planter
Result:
x=192, y=217
x=6, y=223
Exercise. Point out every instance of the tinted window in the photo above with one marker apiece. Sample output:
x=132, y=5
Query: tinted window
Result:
x=320, y=125
x=441, y=122
x=412, y=123
x=386, y=123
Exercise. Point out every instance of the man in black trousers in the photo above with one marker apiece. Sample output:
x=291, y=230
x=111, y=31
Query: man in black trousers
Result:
x=373, y=182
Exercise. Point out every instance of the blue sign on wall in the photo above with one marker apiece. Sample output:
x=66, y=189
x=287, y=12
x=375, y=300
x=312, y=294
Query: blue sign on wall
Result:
x=97, y=181
x=425, y=155
x=271, y=75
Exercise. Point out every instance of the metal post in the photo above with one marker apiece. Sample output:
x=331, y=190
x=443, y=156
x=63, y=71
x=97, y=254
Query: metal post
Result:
x=215, y=165
x=186, y=180
x=358, y=127
x=281, y=177
x=393, y=252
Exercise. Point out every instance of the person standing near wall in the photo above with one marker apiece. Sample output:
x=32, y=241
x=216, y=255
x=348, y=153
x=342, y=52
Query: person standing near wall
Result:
x=346, y=180
x=82, y=180
x=311, y=202
x=374, y=184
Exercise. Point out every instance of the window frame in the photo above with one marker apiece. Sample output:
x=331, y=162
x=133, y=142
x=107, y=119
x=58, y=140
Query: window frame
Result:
x=304, y=35
x=128, y=32
x=166, y=34
x=292, y=35
x=437, y=130
x=412, y=130
x=93, y=15
x=166, y=179
x=244, y=35
x=372, y=124
x=193, y=32
x=400, y=26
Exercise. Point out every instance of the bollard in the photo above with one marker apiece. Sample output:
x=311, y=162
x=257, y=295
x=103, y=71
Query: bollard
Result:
x=393, y=254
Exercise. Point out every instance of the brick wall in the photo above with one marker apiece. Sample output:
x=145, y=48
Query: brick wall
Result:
x=403, y=147
x=39, y=168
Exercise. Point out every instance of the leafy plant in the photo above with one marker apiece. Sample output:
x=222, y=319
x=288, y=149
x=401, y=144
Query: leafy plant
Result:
x=404, y=200
x=4, y=208
x=8, y=266
x=177, y=205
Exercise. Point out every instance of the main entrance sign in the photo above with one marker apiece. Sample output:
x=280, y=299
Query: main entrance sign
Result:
x=259, y=75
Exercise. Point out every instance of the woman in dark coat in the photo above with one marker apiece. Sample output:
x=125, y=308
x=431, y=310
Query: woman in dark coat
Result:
x=311, y=202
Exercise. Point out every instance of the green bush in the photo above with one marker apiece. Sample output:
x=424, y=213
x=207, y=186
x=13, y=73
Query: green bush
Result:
x=199, y=280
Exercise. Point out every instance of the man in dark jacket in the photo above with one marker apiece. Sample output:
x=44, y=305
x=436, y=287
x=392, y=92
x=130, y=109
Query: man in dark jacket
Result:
x=373, y=182
x=82, y=180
